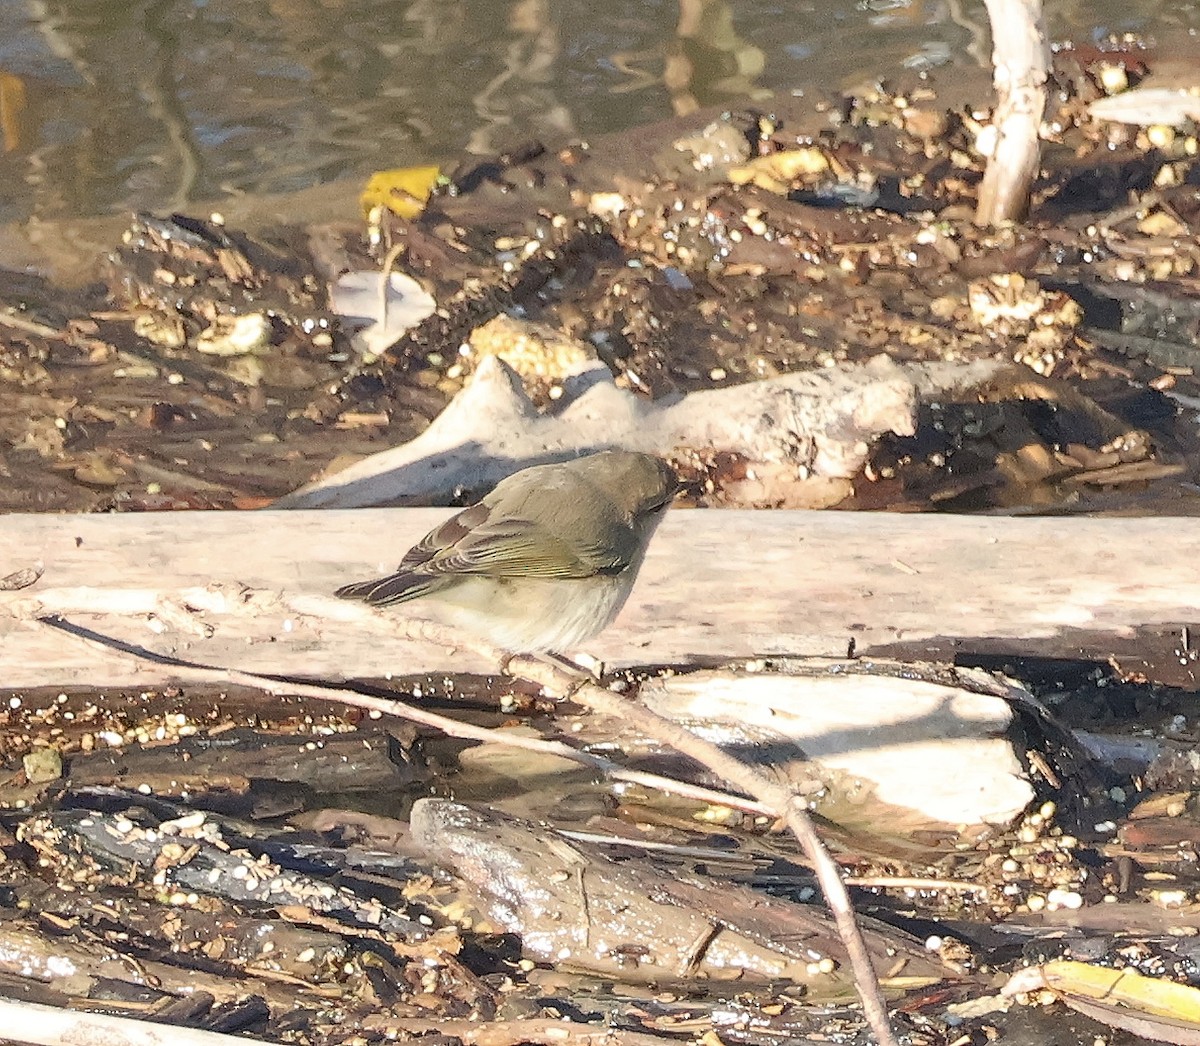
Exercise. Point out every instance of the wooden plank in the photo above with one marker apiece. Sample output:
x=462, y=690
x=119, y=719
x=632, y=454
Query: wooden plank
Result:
x=715, y=584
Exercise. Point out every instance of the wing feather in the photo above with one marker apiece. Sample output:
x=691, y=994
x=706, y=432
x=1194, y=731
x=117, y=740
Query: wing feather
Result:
x=395, y=588
x=444, y=536
x=518, y=547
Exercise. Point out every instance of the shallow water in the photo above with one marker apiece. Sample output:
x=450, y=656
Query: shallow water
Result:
x=107, y=106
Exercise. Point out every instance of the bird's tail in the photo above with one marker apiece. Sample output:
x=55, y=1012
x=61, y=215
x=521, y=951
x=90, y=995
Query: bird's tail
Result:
x=395, y=588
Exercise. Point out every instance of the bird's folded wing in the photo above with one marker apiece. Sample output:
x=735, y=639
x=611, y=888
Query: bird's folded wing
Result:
x=518, y=547
x=444, y=537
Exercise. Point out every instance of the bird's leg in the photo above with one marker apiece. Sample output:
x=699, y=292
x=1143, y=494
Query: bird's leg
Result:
x=583, y=666
x=560, y=667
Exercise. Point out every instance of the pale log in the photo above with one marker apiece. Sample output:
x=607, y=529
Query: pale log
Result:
x=821, y=423
x=250, y=590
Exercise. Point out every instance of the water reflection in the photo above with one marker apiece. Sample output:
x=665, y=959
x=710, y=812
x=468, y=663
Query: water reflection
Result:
x=160, y=104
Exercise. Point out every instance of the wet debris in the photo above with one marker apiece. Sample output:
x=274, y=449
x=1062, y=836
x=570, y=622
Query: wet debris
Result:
x=315, y=919
x=184, y=858
x=578, y=909
x=705, y=252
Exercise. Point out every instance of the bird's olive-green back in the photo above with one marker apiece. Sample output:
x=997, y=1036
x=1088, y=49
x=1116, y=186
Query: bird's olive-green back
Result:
x=573, y=519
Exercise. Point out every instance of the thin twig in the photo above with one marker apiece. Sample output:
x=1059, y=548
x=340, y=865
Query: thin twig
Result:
x=385, y=282
x=772, y=796
x=200, y=674
x=781, y=800
x=9, y=319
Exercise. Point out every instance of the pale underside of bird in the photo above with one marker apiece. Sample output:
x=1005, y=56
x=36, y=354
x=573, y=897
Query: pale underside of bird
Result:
x=542, y=563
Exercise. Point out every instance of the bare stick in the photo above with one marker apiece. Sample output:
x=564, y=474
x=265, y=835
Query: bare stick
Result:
x=1020, y=69
x=210, y=675
x=779, y=800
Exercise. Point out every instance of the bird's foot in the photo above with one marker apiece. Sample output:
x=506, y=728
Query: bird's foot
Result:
x=563, y=679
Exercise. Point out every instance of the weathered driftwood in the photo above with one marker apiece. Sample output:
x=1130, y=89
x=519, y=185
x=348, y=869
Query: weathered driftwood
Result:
x=576, y=908
x=822, y=421
x=195, y=858
x=890, y=747
x=251, y=591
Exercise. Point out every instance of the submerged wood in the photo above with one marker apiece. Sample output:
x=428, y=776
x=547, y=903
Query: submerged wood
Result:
x=577, y=908
x=250, y=590
x=822, y=422
x=196, y=766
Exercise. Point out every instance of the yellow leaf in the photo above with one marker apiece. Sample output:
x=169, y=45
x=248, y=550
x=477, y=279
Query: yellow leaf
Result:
x=776, y=171
x=1149, y=995
x=402, y=190
x=12, y=110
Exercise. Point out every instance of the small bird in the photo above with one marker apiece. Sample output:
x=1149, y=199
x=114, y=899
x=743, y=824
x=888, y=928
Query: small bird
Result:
x=546, y=560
